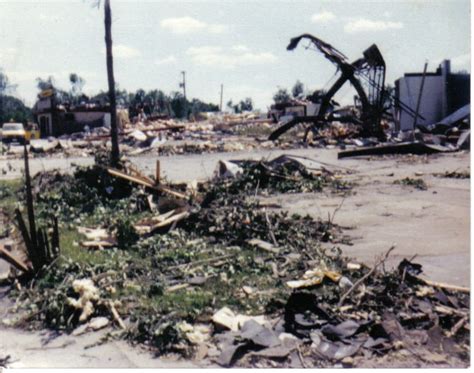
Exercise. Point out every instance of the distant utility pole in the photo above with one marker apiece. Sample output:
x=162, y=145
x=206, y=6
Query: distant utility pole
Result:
x=183, y=85
x=222, y=91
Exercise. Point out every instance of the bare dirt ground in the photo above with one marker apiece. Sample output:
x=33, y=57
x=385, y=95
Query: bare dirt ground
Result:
x=434, y=224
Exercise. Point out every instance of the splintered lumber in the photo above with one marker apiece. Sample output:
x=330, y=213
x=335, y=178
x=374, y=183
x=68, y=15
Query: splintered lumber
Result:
x=18, y=264
x=146, y=183
x=161, y=221
x=97, y=244
x=136, y=173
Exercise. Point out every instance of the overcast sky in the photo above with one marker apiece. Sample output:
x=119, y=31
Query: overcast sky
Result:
x=241, y=44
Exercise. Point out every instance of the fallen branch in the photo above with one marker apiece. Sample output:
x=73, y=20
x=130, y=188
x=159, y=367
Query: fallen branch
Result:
x=363, y=278
x=456, y=327
x=146, y=183
x=441, y=285
x=270, y=229
x=168, y=219
x=116, y=315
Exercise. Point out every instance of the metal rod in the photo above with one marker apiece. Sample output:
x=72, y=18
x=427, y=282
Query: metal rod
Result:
x=418, y=102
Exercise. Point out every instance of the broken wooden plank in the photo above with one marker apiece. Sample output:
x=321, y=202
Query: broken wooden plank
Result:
x=98, y=244
x=446, y=286
x=15, y=262
x=145, y=226
x=140, y=181
x=137, y=173
x=266, y=246
x=177, y=287
x=93, y=233
x=175, y=218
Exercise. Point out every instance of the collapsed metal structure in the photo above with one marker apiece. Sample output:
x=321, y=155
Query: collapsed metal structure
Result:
x=367, y=76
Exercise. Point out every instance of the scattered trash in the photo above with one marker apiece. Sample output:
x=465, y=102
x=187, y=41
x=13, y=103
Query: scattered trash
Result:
x=454, y=174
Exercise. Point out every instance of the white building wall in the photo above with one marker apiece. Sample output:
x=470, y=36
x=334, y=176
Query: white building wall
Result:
x=431, y=105
x=88, y=116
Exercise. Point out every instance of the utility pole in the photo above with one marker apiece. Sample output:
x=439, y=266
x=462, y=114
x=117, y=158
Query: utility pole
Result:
x=222, y=91
x=183, y=85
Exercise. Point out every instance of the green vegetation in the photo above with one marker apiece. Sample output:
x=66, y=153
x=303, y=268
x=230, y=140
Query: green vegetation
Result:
x=181, y=275
x=416, y=183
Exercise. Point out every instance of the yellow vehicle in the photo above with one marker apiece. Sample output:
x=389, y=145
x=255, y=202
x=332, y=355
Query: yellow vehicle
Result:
x=32, y=132
x=15, y=132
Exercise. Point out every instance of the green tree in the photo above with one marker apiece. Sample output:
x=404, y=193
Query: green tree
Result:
x=281, y=96
x=60, y=96
x=243, y=105
x=11, y=108
x=77, y=84
x=45, y=84
x=5, y=85
x=297, y=90
x=177, y=105
x=246, y=104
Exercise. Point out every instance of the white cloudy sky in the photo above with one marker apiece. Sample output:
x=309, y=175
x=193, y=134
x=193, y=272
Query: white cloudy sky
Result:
x=241, y=44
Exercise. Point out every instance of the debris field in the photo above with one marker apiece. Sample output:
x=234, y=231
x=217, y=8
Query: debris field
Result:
x=210, y=271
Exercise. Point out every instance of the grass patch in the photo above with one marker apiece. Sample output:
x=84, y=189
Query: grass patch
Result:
x=9, y=191
x=413, y=182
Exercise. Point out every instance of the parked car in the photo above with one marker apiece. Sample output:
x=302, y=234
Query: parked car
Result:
x=15, y=132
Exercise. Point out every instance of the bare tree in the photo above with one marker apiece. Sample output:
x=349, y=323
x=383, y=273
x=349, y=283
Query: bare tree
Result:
x=115, y=156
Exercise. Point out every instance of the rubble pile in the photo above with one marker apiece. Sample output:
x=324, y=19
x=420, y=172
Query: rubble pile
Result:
x=455, y=174
x=219, y=275
x=284, y=174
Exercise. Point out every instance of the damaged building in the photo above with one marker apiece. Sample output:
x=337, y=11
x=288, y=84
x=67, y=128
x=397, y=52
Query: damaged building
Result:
x=442, y=93
x=58, y=119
